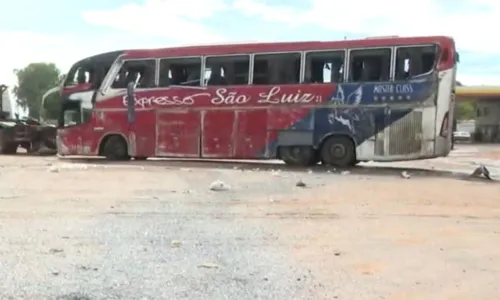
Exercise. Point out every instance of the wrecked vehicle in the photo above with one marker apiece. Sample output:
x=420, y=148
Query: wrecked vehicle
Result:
x=28, y=133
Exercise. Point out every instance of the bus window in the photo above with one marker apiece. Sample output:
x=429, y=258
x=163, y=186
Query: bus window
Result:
x=227, y=70
x=282, y=68
x=141, y=72
x=324, y=67
x=414, y=61
x=80, y=75
x=369, y=65
x=180, y=71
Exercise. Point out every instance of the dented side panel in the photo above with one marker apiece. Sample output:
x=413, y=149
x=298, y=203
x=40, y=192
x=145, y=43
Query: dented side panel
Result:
x=250, y=134
x=143, y=141
x=178, y=133
x=69, y=141
x=109, y=122
x=218, y=133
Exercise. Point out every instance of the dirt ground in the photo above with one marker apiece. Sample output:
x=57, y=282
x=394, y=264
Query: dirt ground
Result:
x=154, y=230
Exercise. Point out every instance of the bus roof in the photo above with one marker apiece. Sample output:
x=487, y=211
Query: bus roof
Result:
x=243, y=48
x=102, y=57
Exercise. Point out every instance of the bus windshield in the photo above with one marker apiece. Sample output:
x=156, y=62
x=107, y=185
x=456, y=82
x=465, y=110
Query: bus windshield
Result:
x=91, y=71
x=80, y=86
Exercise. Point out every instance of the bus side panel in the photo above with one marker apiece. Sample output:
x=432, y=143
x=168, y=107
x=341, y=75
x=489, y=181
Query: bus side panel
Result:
x=69, y=140
x=178, y=133
x=405, y=135
x=109, y=122
x=251, y=134
x=218, y=132
x=444, y=106
x=289, y=126
x=357, y=123
x=370, y=140
x=143, y=134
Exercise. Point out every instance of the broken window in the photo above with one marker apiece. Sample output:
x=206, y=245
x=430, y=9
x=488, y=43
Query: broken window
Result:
x=79, y=75
x=414, y=61
x=141, y=72
x=89, y=73
x=282, y=68
x=324, y=67
x=370, y=65
x=180, y=71
x=227, y=70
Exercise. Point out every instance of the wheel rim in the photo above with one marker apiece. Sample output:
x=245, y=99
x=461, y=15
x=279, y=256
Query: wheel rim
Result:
x=116, y=150
x=295, y=153
x=338, y=151
x=119, y=150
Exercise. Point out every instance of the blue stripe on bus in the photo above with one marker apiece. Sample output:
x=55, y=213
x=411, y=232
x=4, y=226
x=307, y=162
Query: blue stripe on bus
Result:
x=372, y=108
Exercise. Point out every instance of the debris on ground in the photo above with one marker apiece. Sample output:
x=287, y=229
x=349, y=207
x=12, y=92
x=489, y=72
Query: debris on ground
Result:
x=405, y=175
x=275, y=172
x=86, y=268
x=345, y=173
x=53, y=169
x=55, y=250
x=70, y=166
x=481, y=170
x=73, y=296
x=175, y=244
x=209, y=265
x=219, y=186
x=300, y=183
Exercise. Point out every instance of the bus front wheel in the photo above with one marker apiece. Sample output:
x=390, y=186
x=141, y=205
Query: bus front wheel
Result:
x=338, y=151
x=115, y=148
x=298, y=155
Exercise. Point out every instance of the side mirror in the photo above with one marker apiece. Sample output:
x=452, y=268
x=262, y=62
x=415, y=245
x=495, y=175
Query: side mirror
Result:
x=131, y=102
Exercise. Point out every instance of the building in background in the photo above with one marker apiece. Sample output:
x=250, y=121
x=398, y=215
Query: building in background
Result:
x=487, y=105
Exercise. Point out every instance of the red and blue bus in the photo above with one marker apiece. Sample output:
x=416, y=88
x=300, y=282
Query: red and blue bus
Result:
x=339, y=102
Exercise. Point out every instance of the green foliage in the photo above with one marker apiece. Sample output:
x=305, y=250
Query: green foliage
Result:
x=32, y=82
x=466, y=110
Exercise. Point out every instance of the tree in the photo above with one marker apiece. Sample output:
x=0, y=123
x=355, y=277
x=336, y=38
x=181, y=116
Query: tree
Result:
x=466, y=110
x=32, y=82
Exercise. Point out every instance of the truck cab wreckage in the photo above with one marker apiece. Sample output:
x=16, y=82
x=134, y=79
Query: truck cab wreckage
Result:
x=28, y=133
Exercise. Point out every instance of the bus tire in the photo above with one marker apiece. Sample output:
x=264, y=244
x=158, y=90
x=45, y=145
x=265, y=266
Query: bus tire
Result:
x=300, y=156
x=115, y=148
x=8, y=148
x=338, y=151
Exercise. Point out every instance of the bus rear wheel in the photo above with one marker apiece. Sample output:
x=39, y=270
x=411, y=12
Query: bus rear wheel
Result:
x=338, y=151
x=8, y=148
x=298, y=155
x=115, y=148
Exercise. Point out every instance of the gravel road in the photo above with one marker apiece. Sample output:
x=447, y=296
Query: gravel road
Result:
x=156, y=231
